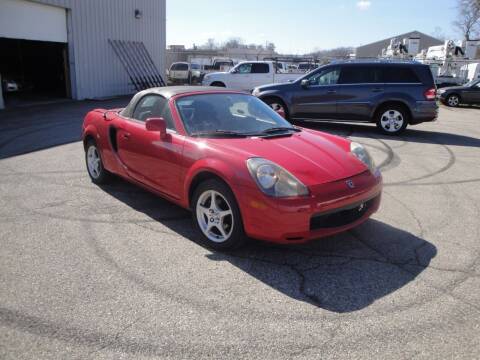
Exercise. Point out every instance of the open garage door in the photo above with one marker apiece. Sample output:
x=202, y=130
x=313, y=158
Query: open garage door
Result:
x=33, y=48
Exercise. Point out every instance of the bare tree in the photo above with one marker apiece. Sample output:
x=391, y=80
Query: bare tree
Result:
x=468, y=22
x=233, y=43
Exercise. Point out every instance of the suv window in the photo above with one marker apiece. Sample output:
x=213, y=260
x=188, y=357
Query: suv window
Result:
x=398, y=74
x=327, y=77
x=260, y=68
x=153, y=106
x=180, y=67
x=358, y=75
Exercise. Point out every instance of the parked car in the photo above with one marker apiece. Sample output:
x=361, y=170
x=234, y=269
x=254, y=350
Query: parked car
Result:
x=306, y=66
x=219, y=64
x=179, y=72
x=196, y=73
x=248, y=75
x=391, y=94
x=456, y=95
x=236, y=164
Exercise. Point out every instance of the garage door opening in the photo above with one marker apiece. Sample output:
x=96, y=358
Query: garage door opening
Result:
x=33, y=71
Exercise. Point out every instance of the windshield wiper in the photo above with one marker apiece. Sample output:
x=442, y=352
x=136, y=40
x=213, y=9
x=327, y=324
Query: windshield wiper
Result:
x=217, y=133
x=280, y=128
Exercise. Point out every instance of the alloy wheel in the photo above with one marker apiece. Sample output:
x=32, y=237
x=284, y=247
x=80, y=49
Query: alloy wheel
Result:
x=93, y=162
x=453, y=100
x=278, y=108
x=392, y=121
x=214, y=216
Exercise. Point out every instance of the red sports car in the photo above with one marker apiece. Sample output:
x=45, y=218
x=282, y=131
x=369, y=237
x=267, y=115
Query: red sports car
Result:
x=239, y=166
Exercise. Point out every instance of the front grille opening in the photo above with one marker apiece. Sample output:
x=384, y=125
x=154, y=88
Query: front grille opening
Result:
x=340, y=217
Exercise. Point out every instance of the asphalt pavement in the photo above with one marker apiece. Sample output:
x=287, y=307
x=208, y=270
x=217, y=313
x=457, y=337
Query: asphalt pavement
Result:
x=114, y=272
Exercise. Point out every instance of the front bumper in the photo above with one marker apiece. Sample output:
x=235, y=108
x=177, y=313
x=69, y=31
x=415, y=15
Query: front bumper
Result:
x=331, y=208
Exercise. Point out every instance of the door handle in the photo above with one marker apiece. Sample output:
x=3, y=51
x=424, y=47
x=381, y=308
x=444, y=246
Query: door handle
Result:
x=126, y=136
x=331, y=91
x=377, y=90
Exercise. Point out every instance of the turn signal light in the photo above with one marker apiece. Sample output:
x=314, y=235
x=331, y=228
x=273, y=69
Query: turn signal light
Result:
x=430, y=94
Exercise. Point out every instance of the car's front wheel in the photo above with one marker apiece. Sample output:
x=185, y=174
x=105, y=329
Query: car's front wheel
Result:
x=217, y=216
x=453, y=100
x=392, y=120
x=95, y=167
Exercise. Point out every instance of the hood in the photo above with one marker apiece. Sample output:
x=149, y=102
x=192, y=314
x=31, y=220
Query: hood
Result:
x=277, y=86
x=314, y=158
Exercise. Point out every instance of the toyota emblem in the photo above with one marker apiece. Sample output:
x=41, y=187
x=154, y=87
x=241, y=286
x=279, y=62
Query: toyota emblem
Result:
x=350, y=184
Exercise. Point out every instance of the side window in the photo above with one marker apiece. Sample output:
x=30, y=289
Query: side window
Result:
x=245, y=68
x=327, y=77
x=259, y=68
x=398, y=74
x=151, y=106
x=358, y=75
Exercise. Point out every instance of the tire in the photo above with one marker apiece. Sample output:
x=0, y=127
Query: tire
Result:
x=392, y=119
x=452, y=100
x=98, y=174
x=218, y=84
x=208, y=218
x=278, y=106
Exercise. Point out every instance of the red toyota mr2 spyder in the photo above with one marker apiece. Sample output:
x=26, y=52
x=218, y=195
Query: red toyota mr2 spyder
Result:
x=239, y=166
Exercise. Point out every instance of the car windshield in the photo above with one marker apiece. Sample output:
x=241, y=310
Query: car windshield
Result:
x=195, y=66
x=472, y=83
x=214, y=115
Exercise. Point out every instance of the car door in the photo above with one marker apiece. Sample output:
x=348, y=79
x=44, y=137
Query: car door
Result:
x=261, y=75
x=241, y=77
x=318, y=98
x=153, y=161
x=358, y=91
x=471, y=95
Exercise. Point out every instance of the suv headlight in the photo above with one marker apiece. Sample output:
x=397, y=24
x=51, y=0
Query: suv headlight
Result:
x=274, y=180
x=362, y=154
x=256, y=92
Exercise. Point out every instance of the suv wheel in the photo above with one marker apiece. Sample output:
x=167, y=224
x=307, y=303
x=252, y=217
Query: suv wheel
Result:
x=392, y=120
x=453, y=100
x=278, y=106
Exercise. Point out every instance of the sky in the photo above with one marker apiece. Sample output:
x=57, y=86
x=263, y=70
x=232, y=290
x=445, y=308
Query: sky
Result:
x=301, y=26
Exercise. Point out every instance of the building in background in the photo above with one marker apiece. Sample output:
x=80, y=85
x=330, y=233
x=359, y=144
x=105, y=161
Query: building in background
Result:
x=374, y=50
x=61, y=49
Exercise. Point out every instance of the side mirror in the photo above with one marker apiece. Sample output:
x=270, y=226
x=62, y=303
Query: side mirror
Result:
x=305, y=83
x=158, y=125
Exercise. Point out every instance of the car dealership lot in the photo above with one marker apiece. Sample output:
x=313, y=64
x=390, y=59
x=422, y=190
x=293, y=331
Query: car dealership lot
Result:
x=112, y=272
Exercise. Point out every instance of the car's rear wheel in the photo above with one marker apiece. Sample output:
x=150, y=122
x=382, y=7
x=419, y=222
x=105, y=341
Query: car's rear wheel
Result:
x=278, y=106
x=392, y=120
x=217, y=216
x=453, y=100
x=95, y=167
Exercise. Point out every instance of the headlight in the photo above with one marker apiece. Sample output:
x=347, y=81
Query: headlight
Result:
x=256, y=92
x=362, y=154
x=274, y=180
x=440, y=91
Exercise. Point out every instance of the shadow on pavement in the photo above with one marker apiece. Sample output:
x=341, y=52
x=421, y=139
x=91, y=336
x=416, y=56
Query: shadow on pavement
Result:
x=24, y=130
x=343, y=273
x=410, y=135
